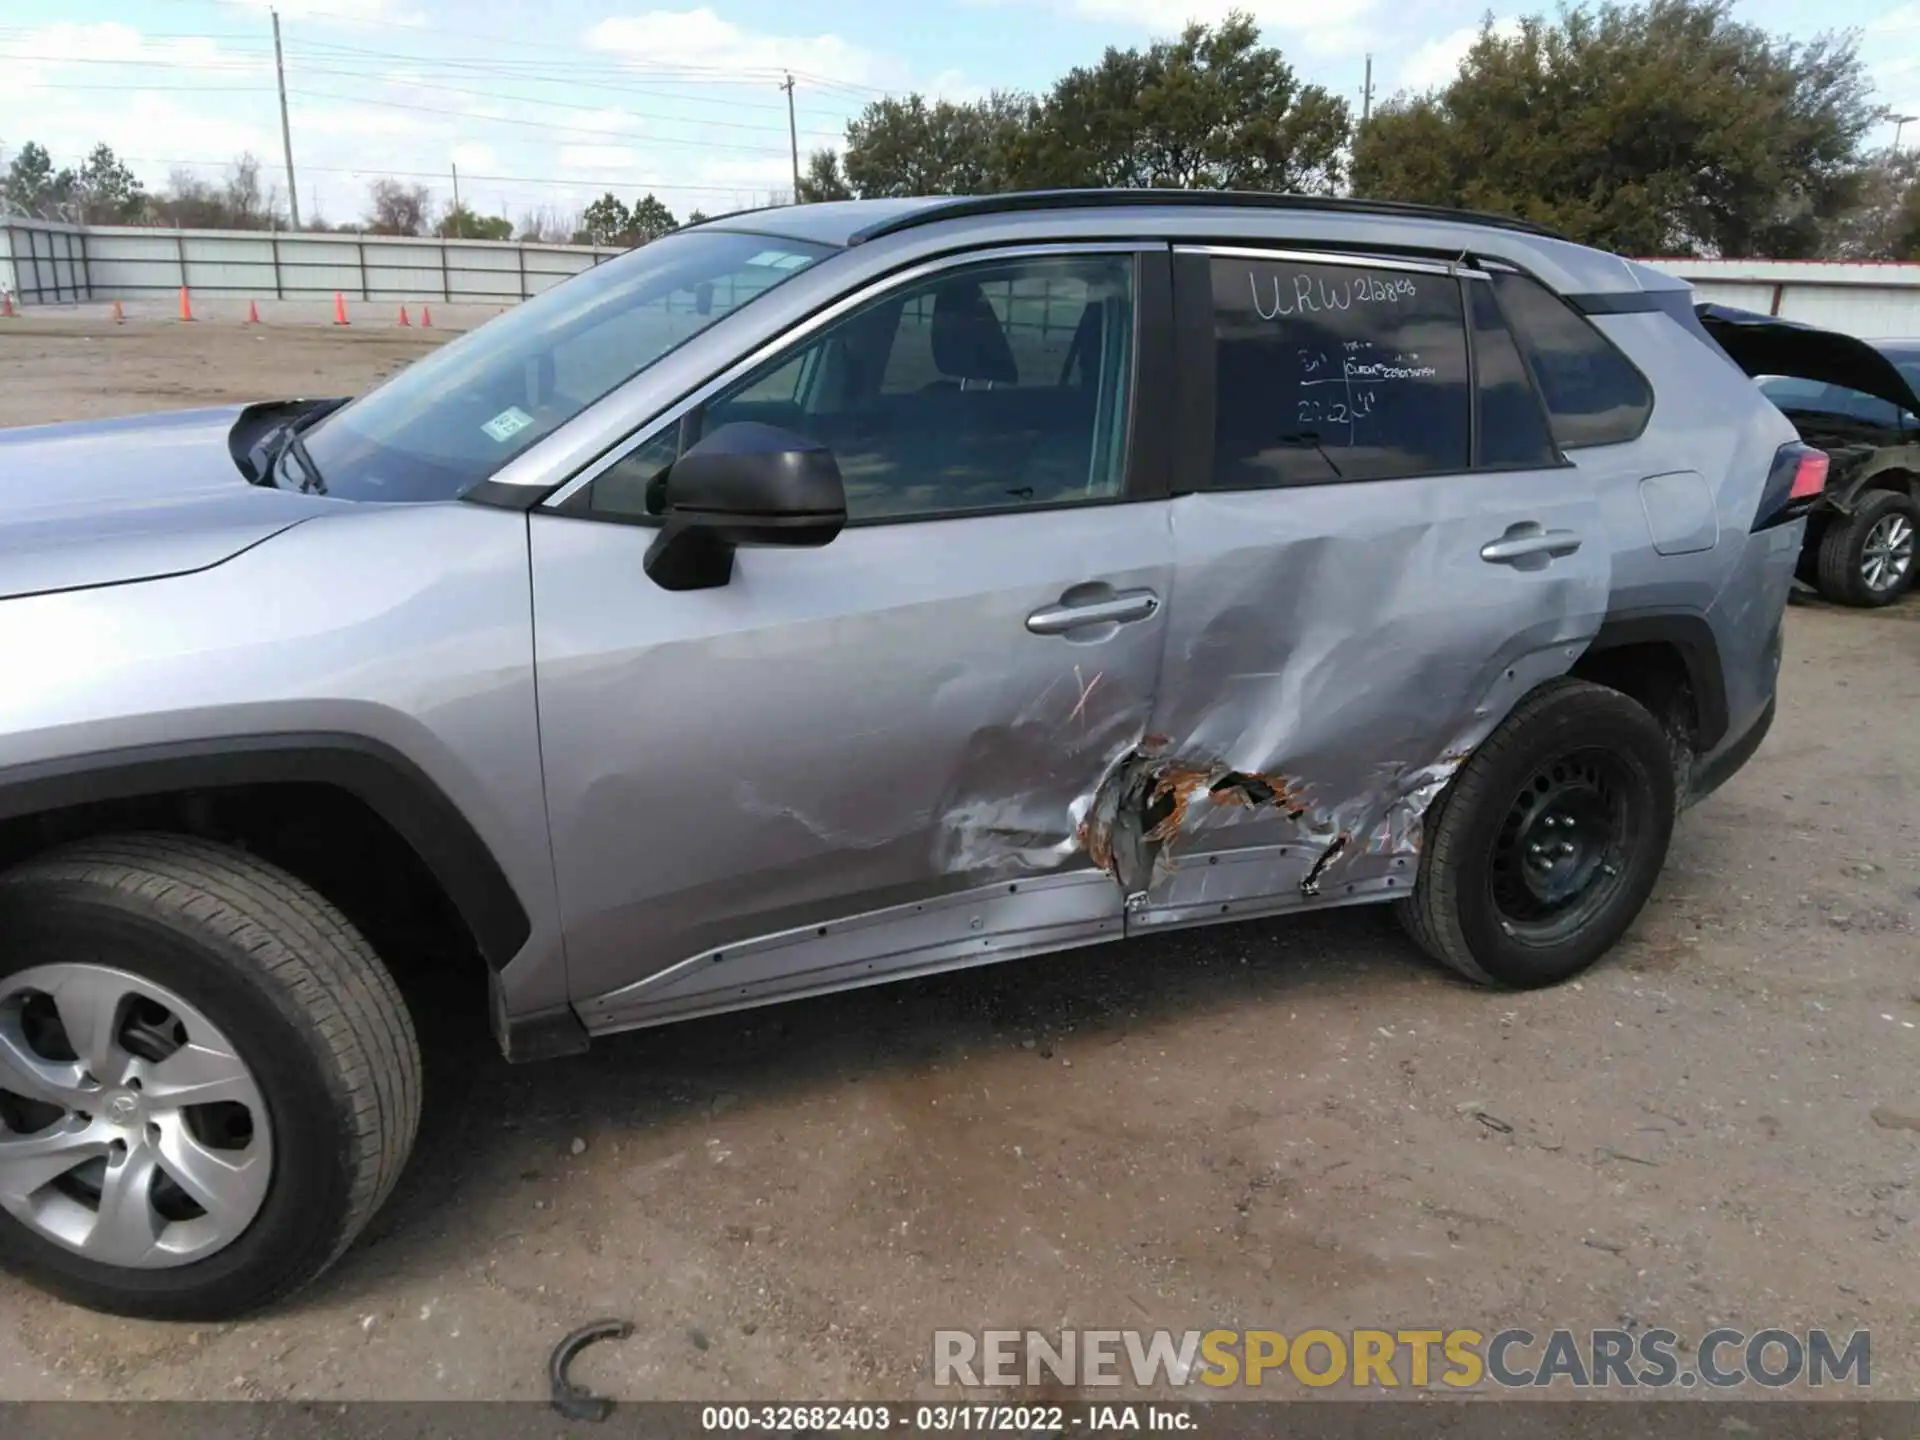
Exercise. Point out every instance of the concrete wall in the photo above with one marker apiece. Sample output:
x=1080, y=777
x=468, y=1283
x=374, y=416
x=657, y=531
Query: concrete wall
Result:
x=1875, y=300
x=51, y=264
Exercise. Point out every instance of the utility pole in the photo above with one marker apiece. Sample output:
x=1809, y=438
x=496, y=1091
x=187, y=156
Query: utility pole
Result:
x=1366, y=94
x=286, y=129
x=793, y=137
x=1900, y=123
x=456, y=183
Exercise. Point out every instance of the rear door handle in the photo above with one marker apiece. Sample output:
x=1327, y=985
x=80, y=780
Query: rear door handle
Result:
x=1527, y=541
x=1116, y=609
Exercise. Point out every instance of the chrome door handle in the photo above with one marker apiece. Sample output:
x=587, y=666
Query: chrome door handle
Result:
x=1112, y=610
x=1525, y=541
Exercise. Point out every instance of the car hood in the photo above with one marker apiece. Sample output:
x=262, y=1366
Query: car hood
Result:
x=1768, y=345
x=101, y=502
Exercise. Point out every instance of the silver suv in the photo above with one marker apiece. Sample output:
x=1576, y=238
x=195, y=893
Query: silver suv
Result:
x=828, y=595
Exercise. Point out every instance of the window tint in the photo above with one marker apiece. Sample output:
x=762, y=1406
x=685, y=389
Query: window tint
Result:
x=1331, y=372
x=1513, y=432
x=991, y=387
x=1594, y=395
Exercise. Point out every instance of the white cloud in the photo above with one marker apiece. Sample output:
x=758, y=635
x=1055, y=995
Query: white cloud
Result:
x=701, y=40
x=1436, y=62
x=351, y=12
x=84, y=46
x=480, y=159
x=1342, y=29
x=597, y=159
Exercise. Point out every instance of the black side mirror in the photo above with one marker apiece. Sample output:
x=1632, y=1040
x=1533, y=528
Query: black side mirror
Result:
x=745, y=484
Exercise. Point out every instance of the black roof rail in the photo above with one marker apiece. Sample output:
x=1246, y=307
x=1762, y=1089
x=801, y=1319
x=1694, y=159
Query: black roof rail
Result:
x=962, y=206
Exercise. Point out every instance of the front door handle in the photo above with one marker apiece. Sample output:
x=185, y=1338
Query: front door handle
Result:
x=1527, y=541
x=1115, y=609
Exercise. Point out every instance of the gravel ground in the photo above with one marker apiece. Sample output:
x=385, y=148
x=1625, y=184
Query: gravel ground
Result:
x=1276, y=1124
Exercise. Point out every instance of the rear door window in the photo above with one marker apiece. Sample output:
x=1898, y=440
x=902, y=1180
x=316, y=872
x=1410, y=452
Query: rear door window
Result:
x=1336, y=372
x=1594, y=394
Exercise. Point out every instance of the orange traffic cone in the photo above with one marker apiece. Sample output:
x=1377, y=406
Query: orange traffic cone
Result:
x=6, y=304
x=186, y=305
x=119, y=315
x=339, y=308
x=253, y=312
x=426, y=318
x=403, y=317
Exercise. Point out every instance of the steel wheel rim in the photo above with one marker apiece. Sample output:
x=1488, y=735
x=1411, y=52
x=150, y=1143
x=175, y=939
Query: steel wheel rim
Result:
x=1887, y=554
x=1560, y=854
x=131, y=1131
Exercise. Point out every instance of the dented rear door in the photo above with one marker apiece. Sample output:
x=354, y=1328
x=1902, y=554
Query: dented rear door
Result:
x=1374, y=560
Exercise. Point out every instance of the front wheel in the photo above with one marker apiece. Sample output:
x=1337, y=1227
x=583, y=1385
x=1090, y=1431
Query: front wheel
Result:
x=1546, y=845
x=208, y=1082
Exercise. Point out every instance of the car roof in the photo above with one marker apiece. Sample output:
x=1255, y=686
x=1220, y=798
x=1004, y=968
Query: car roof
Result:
x=851, y=222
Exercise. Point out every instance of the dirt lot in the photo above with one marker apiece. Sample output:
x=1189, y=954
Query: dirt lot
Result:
x=1278, y=1124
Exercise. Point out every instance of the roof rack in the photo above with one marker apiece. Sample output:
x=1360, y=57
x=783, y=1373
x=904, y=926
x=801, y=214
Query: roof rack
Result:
x=961, y=207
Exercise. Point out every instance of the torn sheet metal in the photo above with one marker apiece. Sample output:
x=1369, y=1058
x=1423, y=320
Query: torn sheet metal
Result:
x=1334, y=655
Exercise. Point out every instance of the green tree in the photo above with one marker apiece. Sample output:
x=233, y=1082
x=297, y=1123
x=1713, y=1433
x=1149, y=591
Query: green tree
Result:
x=822, y=180
x=461, y=223
x=607, y=221
x=1214, y=109
x=106, y=191
x=33, y=187
x=649, y=220
x=1658, y=128
x=1885, y=222
x=698, y=217
x=911, y=147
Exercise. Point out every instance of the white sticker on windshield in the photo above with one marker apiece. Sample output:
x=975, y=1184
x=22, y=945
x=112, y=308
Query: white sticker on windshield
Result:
x=507, y=424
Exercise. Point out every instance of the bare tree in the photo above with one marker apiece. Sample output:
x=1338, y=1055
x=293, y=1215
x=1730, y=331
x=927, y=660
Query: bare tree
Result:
x=397, y=209
x=549, y=225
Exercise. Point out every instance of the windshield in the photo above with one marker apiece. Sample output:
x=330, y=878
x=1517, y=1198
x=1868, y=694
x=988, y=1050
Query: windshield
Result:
x=453, y=418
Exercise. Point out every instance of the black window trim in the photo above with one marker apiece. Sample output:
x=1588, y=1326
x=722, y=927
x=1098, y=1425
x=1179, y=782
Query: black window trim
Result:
x=1144, y=477
x=1195, y=345
x=1480, y=466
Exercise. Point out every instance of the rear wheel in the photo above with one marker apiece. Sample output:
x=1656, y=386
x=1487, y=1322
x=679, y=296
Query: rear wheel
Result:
x=208, y=1082
x=1867, y=558
x=1547, y=843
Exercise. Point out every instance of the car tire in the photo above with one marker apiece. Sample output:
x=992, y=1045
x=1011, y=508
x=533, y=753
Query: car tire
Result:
x=1867, y=559
x=191, y=969
x=1543, y=849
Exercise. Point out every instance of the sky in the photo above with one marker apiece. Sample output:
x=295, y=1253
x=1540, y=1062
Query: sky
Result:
x=547, y=105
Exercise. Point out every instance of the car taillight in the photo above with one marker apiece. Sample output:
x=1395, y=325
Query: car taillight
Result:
x=1796, y=481
x=1810, y=475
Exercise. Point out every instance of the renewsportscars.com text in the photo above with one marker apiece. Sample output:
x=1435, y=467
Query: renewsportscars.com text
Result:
x=1457, y=1358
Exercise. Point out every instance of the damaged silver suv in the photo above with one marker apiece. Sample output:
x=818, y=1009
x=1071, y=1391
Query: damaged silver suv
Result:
x=828, y=595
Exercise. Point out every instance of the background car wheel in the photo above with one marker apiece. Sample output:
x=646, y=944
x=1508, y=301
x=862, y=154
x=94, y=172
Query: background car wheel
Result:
x=208, y=1082
x=1867, y=558
x=1545, y=846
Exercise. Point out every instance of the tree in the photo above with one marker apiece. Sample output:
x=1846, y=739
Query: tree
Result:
x=607, y=221
x=698, y=217
x=1658, y=128
x=239, y=202
x=34, y=188
x=1885, y=223
x=649, y=220
x=822, y=180
x=461, y=223
x=396, y=209
x=911, y=147
x=548, y=225
x=106, y=191
x=1212, y=110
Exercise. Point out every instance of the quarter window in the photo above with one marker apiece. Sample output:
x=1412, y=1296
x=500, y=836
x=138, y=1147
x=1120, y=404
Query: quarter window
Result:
x=990, y=387
x=1594, y=395
x=1334, y=372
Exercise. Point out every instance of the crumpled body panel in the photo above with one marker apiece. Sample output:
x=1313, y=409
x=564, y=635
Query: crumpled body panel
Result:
x=1334, y=654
